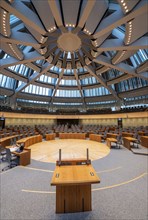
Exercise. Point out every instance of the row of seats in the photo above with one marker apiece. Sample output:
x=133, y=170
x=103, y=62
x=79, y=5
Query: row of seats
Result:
x=43, y=129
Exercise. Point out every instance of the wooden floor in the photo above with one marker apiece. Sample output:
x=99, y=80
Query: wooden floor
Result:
x=48, y=151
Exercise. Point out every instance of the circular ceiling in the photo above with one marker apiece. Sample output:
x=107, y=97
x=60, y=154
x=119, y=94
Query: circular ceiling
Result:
x=69, y=42
x=79, y=54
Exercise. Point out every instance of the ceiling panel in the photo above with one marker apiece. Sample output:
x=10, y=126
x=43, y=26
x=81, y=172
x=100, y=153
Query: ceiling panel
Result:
x=95, y=16
x=45, y=14
x=70, y=12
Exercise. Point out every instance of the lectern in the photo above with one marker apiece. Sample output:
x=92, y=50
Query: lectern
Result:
x=73, y=179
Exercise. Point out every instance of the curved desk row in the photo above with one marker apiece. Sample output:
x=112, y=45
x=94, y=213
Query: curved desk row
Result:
x=30, y=140
x=6, y=141
x=72, y=135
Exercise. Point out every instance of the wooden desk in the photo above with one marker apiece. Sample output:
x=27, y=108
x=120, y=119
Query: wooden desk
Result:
x=24, y=157
x=5, y=141
x=50, y=136
x=95, y=137
x=73, y=187
x=27, y=141
x=110, y=135
x=126, y=134
x=144, y=141
x=72, y=135
x=127, y=141
x=110, y=140
x=141, y=133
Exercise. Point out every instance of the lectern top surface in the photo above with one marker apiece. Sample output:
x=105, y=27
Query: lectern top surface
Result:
x=74, y=175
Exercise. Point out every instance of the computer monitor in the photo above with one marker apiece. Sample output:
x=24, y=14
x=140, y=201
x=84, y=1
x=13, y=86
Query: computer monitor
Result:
x=21, y=148
x=2, y=123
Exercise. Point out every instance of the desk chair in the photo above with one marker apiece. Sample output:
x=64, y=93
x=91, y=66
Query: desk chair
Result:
x=104, y=136
x=138, y=141
x=119, y=141
x=2, y=153
x=14, y=140
x=11, y=159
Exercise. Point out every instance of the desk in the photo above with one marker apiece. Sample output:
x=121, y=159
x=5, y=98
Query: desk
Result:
x=127, y=141
x=144, y=141
x=73, y=187
x=110, y=140
x=5, y=141
x=141, y=133
x=95, y=137
x=24, y=156
x=72, y=135
x=50, y=136
x=110, y=135
x=27, y=141
x=126, y=134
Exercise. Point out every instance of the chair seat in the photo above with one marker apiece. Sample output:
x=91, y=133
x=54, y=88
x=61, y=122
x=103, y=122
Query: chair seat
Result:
x=3, y=153
x=14, y=158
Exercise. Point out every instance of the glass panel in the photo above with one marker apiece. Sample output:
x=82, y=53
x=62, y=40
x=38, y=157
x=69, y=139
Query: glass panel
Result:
x=13, y=19
x=7, y=82
x=67, y=93
x=96, y=92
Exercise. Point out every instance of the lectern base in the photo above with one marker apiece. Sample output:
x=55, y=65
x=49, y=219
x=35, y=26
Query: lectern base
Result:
x=73, y=198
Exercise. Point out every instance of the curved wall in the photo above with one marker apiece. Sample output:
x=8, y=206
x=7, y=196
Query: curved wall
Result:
x=128, y=119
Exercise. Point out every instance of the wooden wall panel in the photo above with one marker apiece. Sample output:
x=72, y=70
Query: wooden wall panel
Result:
x=134, y=122
x=29, y=121
x=128, y=119
x=108, y=121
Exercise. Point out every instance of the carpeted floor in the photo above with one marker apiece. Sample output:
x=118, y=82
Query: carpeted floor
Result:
x=26, y=193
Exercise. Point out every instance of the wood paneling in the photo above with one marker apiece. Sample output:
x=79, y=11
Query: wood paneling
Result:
x=99, y=116
x=135, y=121
x=129, y=119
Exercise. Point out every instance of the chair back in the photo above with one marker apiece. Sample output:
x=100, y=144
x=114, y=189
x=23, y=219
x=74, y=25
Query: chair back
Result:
x=8, y=155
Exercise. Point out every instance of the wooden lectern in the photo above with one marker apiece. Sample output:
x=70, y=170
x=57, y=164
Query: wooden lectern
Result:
x=73, y=179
